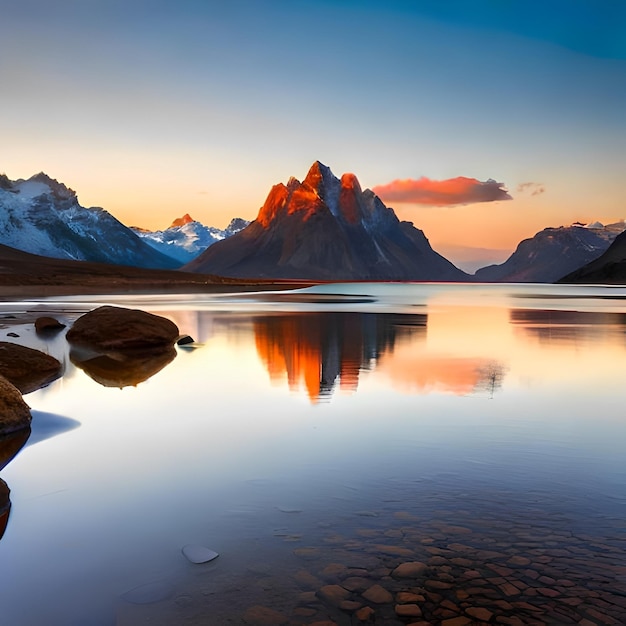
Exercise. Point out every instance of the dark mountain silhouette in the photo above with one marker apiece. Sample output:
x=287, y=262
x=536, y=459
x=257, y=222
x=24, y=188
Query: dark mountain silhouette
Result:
x=552, y=253
x=22, y=272
x=610, y=267
x=326, y=229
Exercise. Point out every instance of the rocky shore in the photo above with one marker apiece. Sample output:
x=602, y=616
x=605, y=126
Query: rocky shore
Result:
x=448, y=567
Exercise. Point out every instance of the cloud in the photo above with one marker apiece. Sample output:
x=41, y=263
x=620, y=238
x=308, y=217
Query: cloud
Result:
x=535, y=189
x=459, y=190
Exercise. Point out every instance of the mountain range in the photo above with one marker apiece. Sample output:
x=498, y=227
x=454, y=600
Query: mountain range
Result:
x=326, y=228
x=323, y=228
x=186, y=238
x=552, y=253
x=42, y=216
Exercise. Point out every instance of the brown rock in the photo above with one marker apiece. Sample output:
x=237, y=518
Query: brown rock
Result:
x=5, y=503
x=480, y=613
x=5, y=506
x=333, y=570
x=350, y=606
x=14, y=412
x=46, y=324
x=408, y=610
x=333, y=594
x=11, y=444
x=110, y=328
x=410, y=569
x=356, y=583
x=264, y=616
x=508, y=589
x=518, y=560
x=456, y=621
x=377, y=595
x=365, y=614
x=405, y=597
x=437, y=584
x=26, y=368
x=546, y=591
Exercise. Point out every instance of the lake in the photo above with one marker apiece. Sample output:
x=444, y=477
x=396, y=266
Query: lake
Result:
x=355, y=453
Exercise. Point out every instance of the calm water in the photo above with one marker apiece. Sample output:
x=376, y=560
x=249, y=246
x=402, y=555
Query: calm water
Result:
x=324, y=437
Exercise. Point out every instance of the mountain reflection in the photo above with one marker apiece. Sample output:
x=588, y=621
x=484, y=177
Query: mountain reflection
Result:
x=122, y=369
x=566, y=326
x=319, y=349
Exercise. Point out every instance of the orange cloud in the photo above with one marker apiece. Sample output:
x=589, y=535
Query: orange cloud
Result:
x=459, y=190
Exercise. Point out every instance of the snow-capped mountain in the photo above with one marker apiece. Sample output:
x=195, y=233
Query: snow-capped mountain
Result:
x=326, y=228
x=552, y=253
x=186, y=238
x=42, y=216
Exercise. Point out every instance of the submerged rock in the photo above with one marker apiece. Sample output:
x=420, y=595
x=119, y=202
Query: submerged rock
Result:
x=14, y=412
x=110, y=328
x=48, y=325
x=26, y=368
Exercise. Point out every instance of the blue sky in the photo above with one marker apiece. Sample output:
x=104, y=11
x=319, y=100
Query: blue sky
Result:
x=155, y=109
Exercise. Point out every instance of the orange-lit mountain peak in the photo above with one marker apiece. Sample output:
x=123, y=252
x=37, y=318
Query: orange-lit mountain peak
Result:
x=276, y=200
x=349, y=198
x=317, y=175
x=350, y=181
x=181, y=221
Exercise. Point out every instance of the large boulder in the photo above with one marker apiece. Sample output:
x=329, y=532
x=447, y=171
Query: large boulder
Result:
x=14, y=412
x=110, y=328
x=26, y=368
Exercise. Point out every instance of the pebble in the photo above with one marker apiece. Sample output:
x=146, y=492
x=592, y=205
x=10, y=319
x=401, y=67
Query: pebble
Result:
x=410, y=569
x=408, y=610
x=378, y=595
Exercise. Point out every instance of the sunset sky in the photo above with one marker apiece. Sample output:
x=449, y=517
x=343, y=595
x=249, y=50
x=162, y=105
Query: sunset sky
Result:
x=152, y=109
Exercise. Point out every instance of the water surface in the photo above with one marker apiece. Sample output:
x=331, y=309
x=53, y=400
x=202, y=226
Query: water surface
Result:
x=324, y=437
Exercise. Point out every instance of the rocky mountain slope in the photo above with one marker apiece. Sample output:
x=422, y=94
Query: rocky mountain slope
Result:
x=608, y=268
x=326, y=228
x=186, y=238
x=552, y=253
x=42, y=216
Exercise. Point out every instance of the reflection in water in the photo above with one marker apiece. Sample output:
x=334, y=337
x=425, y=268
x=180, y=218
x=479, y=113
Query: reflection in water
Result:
x=5, y=506
x=320, y=348
x=122, y=369
x=425, y=373
x=11, y=444
x=566, y=326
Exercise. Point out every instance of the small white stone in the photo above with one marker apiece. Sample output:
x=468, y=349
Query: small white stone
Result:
x=199, y=554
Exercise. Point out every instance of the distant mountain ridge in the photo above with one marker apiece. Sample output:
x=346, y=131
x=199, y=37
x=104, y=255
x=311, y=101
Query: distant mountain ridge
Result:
x=552, y=253
x=186, y=238
x=42, y=216
x=326, y=228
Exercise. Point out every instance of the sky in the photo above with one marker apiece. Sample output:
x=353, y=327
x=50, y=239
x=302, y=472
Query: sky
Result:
x=481, y=121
